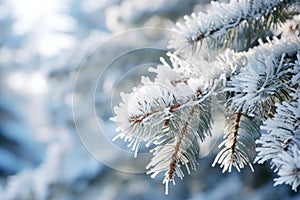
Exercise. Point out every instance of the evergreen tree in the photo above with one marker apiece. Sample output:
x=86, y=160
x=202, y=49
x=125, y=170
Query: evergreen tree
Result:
x=246, y=52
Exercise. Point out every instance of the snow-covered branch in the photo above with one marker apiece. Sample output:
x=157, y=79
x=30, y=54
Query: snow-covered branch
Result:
x=178, y=143
x=239, y=143
x=281, y=142
x=259, y=83
x=222, y=21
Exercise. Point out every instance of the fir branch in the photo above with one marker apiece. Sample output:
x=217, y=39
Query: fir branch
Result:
x=239, y=143
x=281, y=143
x=139, y=116
x=262, y=82
x=174, y=166
x=222, y=23
x=259, y=85
x=283, y=131
x=178, y=143
x=232, y=62
x=289, y=172
x=175, y=117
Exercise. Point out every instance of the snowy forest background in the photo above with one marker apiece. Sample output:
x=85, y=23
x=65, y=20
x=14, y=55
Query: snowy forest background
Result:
x=43, y=46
